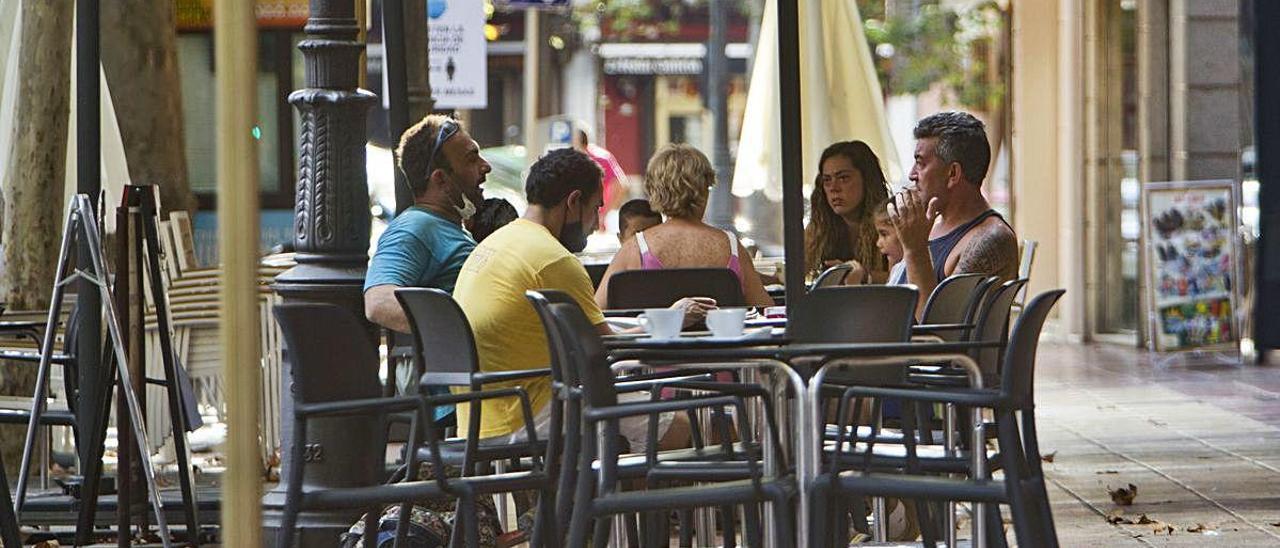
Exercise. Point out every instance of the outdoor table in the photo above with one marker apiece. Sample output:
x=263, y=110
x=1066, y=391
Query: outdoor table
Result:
x=780, y=354
x=733, y=353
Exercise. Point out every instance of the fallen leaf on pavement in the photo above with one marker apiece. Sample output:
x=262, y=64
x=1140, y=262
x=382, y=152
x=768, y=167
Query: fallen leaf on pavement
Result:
x=1049, y=457
x=1144, y=520
x=1123, y=496
x=1198, y=528
x=1116, y=517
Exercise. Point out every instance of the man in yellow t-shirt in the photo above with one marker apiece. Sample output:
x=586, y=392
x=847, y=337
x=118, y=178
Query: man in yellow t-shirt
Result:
x=536, y=252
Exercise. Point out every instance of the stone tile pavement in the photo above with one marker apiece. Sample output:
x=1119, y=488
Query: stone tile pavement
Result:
x=1200, y=442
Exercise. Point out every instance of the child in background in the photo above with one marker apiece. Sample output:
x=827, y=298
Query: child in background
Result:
x=635, y=216
x=491, y=214
x=887, y=241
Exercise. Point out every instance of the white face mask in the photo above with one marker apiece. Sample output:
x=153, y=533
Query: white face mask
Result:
x=468, y=208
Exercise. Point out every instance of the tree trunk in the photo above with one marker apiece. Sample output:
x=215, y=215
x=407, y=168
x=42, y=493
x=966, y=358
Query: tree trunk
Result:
x=141, y=63
x=33, y=200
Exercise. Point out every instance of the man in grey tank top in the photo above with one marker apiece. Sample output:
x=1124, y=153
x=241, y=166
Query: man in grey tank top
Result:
x=945, y=224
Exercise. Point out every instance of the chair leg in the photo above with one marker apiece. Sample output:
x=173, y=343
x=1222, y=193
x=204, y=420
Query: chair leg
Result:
x=633, y=530
x=729, y=532
x=600, y=532
x=568, y=473
x=371, y=522
x=751, y=525
x=783, y=514
x=686, y=528
x=460, y=518
x=819, y=513
x=1047, y=529
x=926, y=517
x=1015, y=474
x=293, y=491
x=995, y=527
x=578, y=528
x=545, y=530
x=472, y=522
x=581, y=518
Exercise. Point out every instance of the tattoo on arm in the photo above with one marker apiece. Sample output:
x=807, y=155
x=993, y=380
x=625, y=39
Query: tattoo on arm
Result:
x=995, y=252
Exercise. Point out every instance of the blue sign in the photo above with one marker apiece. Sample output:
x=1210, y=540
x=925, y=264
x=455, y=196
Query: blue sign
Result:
x=560, y=133
x=536, y=4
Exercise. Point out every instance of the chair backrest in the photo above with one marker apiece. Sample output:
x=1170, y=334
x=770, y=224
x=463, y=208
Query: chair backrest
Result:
x=1018, y=377
x=1028, y=257
x=952, y=299
x=561, y=362
x=852, y=314
x=660, y=288
x=992, y=324
x=832, y=276
x=319, y=333
x=587, y=354
x=856, y=314
x=443, y=345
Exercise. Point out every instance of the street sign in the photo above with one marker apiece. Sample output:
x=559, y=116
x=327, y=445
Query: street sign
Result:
x=458, y=62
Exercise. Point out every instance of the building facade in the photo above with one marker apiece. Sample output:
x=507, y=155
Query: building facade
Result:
x=1109, y=95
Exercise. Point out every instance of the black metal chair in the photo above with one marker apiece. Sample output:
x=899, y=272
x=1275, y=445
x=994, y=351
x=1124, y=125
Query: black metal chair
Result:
x=991, y=323
x=601, y=408
x=321, y=332
x=855, y=314
x=566, y=413
x=445, y=355
x=1019, y=457
x=949, y=311
x=633, y=289
x=832, y=277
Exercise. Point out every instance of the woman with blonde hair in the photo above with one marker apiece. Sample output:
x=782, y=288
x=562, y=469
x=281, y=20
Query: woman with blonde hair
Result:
x=678, y=182
x=842, y=225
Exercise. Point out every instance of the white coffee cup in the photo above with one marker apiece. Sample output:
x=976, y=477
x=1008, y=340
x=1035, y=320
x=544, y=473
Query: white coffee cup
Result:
x=663, y=323
x=726, y=322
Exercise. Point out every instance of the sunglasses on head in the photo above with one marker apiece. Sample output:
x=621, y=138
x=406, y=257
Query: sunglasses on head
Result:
x=447, y=130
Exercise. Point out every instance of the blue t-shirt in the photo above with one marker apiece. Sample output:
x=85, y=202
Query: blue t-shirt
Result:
x=420, y=249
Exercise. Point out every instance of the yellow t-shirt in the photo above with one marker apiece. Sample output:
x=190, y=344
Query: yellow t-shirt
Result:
x=520, y=256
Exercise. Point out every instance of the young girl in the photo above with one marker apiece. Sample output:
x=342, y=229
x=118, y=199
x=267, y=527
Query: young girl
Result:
x=887, y=242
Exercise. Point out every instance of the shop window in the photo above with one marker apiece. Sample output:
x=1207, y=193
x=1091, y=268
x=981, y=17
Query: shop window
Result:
x=274, y=127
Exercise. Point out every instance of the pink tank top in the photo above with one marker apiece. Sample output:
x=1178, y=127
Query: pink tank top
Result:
x=649, y=261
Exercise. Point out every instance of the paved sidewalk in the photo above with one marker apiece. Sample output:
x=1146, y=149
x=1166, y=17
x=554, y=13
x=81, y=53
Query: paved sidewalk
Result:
x=1201, y=443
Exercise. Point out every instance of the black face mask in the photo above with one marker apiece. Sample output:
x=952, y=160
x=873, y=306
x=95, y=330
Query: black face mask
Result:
x=572, y=236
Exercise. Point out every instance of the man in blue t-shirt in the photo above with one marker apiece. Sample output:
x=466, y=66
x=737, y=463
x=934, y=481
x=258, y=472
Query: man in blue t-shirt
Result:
x=425, y=245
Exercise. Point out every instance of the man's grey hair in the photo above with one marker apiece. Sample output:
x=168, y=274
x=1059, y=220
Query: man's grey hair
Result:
x=961, y=139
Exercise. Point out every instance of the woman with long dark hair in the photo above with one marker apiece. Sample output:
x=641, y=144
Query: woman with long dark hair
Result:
x=841, y=222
